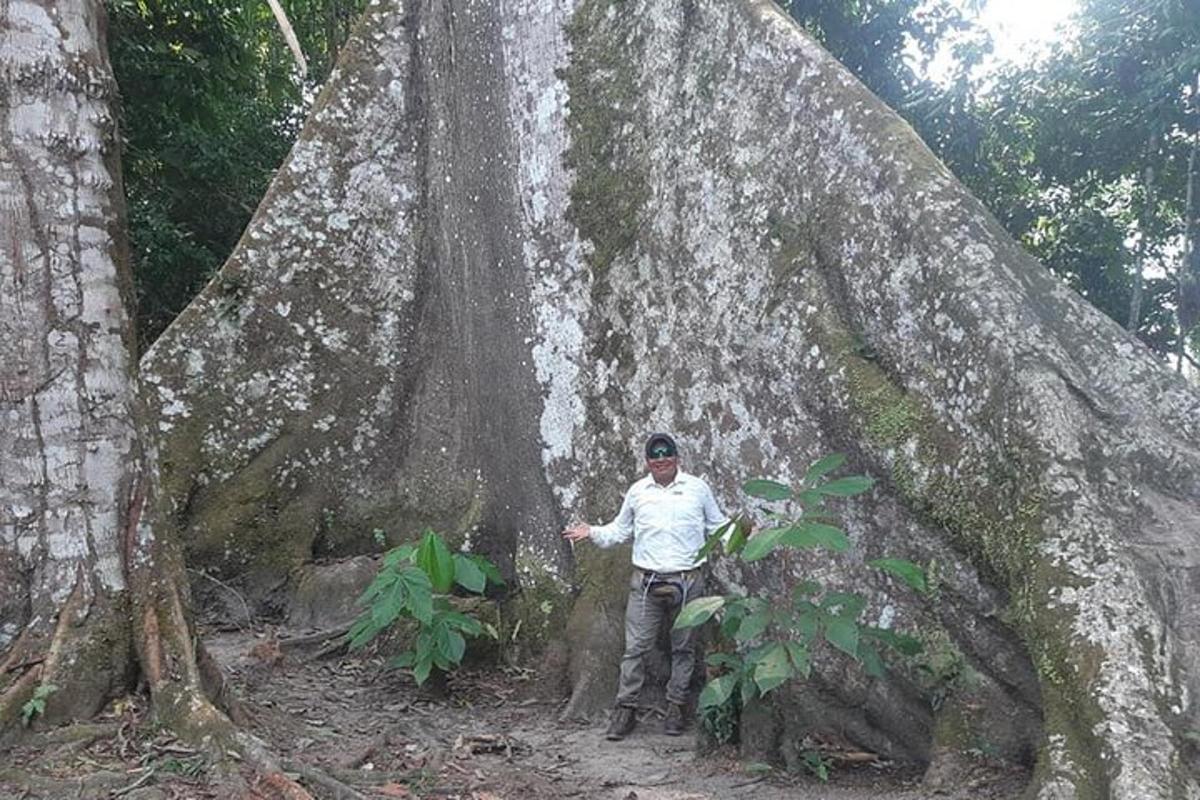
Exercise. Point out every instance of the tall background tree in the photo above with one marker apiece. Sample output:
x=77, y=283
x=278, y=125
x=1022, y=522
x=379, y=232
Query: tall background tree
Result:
x=211, y=101
x=1083, y=156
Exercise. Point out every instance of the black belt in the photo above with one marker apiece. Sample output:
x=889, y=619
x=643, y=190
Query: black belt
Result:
x=686, y=575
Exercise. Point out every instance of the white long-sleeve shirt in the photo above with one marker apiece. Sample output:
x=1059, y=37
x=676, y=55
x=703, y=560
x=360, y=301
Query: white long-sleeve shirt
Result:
x=668, y=523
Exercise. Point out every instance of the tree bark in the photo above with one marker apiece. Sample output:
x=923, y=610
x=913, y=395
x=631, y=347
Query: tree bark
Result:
x=1143, y=254
x=436, y=318
x=93, y=587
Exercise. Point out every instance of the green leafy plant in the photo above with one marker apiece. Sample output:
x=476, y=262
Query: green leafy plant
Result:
x=415, y=583
x=816, y=763
x=721, y=719
x=775, y=638
x=36, y=705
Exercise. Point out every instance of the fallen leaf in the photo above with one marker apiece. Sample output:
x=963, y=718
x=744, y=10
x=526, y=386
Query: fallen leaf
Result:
x=394, y=790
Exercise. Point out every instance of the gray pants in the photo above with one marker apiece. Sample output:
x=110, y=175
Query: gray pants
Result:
x=645, y=612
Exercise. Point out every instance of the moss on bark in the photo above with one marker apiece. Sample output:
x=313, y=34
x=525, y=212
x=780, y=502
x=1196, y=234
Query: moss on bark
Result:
x=609, y=193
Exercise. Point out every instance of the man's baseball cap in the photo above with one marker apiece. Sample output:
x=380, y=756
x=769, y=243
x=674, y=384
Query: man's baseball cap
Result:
x=658, y=443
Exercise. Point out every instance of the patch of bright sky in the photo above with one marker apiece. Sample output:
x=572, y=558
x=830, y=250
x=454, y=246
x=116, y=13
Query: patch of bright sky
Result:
x=1021, y=30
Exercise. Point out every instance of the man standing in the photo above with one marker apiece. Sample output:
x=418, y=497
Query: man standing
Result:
x=669, y=514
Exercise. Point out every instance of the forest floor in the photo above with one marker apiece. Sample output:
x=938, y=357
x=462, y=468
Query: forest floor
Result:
x=347, y=728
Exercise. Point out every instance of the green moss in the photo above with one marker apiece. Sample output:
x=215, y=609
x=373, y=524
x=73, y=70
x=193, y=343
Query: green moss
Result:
x=609, y=193
x=537, y=613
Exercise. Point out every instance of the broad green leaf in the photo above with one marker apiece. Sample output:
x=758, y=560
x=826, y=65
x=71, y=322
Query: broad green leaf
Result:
x=459, y=621
x=906, y=571
x=805, y=588
x=388, y=605
x=422, y=667
x=727, y=660
x=697, y=612
x=361, y=632
x=847, y=487
x=440, y=637
x=741, y=534
x=468, y=575
x=762, y=543
x=452, y=646
x=811, y=499
x=798, y=654
x=816, y=534
x=772, y=667
x=842, y=634
x=903, y=643
x=806, y=623
x=872, y=663
x=717, y=691
x=419, y=593
x=399, y=555
x=752, y=626
x=711, y=542
x=381, y=583
x=489, y=569
x=750, y=605
x=767, y=489
x=823, y=467
x=435, y=559
x=404, y=660
x=735, y=607
x=749, y=691
x=847, y=605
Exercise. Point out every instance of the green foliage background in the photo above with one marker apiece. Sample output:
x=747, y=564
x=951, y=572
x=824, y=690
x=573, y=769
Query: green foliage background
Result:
x=211, y=102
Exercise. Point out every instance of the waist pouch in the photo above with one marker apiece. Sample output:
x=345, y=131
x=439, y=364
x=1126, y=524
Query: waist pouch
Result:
x=671, y=588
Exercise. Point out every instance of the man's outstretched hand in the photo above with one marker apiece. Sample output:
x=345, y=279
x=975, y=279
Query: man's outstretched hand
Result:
x=577, y=532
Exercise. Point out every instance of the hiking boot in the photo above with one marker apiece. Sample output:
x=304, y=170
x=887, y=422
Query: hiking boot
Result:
x=622, y=722
x=674, y=724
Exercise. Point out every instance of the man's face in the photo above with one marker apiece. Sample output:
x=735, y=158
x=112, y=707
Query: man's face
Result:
x=662, y=463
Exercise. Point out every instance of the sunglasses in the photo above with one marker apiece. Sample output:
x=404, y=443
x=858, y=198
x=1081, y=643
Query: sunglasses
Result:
x=661, y=452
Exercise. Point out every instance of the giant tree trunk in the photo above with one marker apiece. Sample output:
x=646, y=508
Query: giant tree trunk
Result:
x=436, y=318
x=90, y=584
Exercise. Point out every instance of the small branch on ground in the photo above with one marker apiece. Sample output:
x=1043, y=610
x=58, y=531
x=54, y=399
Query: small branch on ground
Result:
x=231, y=590
x=32, y=662
x=313, y=638
x=338, y=790
x=146, y=776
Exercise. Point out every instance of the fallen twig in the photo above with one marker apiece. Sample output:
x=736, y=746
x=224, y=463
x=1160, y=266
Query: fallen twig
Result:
x=32, y=662
x=339, y=790
x=231, y=590
x=338, y=645
x=146, y=776
x=313, y=638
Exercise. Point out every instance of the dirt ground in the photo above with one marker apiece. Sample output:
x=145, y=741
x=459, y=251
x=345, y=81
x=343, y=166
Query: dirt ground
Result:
x=347, y=729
